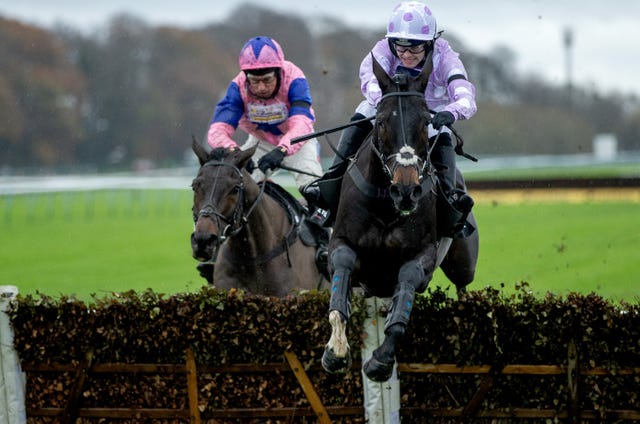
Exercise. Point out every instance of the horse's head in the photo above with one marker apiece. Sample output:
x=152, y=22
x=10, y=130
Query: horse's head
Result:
x=218, y=197
x=400, y=134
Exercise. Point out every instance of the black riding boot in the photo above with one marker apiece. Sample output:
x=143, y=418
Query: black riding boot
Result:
x=315, y=222
x=349, y=143
x=325, y=191
x=460, y=203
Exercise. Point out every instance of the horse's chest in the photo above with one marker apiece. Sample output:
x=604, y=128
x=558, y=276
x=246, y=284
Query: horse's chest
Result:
x=398, y=239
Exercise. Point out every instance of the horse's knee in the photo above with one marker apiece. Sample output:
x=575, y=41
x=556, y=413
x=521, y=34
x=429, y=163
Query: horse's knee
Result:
x=343, y=257
x=413, y=274
x=460, y=276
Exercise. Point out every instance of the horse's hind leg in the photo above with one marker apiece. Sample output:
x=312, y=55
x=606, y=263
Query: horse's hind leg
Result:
x=459, y=265
x=337, y=356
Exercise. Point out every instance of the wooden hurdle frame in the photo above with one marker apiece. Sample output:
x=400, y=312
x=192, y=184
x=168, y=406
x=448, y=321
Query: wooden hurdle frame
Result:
x=74, y=410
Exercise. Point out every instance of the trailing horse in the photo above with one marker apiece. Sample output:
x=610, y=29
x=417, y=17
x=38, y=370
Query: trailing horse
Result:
x=248, y=235
x=385, y=238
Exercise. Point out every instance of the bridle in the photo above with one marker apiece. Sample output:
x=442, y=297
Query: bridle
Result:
x=406, y=156
x=238, y=219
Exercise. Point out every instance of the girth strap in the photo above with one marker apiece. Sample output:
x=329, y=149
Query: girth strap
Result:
x=291, y=238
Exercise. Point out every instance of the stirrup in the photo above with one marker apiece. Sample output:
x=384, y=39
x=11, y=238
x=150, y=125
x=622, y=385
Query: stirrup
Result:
x=322, y=261
x=311, y=193
x=463, y=203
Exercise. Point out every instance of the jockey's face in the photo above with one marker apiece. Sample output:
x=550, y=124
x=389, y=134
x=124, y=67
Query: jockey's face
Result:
x=411, y=56
x=262, y=86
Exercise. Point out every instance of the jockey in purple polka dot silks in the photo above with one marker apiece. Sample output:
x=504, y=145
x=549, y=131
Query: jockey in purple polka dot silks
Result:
x=270, y=100
x=411, y=37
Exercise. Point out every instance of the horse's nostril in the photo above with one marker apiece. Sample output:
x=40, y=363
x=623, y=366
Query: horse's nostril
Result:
x=394, y=192
x=202, y=238
x=416, y=193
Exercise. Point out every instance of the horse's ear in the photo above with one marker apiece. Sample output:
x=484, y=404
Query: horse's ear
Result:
x=199, y=150
x=381, y=75
x=421, y=81
x=244, y=156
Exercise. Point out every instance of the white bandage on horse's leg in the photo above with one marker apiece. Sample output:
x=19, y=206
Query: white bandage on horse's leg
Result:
x=338, y=341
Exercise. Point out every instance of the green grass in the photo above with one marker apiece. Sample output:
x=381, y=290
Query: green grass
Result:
x=119, y=240
x=98, y=242
x=559, y=248
x=548, y=172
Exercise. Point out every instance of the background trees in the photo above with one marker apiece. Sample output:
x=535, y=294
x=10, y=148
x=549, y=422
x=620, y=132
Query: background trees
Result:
x=137, y=92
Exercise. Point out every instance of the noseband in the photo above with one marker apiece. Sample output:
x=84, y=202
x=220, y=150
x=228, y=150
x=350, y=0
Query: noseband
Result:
x=406, y=156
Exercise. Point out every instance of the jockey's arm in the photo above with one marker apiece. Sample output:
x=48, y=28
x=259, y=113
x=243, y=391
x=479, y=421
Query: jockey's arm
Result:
x=462, y=94
x=299, y=123
x=220, y=134
x=226, y=117
x=460, y=91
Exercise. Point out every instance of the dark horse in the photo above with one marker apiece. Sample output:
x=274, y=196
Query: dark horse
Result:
x=251, y=238
x=385, y=235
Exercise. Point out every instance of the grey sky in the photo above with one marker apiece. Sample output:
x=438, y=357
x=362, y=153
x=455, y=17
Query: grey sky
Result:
x=605, y=33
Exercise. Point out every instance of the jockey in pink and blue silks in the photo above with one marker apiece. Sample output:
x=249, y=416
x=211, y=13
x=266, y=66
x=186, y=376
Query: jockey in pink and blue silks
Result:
x=411, y=36
x=270, y=100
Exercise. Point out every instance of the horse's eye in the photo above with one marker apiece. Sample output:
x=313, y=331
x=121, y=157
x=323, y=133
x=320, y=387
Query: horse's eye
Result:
x=235, y=190
x=198, y=186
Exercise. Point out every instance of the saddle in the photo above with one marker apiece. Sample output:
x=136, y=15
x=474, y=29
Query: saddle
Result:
x=299, y=215
x=295, y=210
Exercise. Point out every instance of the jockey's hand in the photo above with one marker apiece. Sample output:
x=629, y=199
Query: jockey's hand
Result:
x=271, y=160
x=441, y=119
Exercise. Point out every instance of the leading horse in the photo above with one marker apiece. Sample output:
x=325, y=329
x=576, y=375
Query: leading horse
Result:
x=251, y=239
x=385, y=238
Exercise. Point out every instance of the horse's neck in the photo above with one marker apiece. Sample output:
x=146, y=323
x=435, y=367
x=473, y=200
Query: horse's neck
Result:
x=264, y=227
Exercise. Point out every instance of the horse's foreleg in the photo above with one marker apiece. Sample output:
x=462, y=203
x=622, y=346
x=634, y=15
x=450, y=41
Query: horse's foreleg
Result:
x=410, y=278
x=337, y=355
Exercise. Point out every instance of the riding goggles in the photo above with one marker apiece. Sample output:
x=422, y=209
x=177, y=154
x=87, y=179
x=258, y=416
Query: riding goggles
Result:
x=413, y=49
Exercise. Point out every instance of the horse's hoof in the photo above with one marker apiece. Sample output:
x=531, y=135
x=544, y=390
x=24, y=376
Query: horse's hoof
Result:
x=377, y=370
x=334, y=364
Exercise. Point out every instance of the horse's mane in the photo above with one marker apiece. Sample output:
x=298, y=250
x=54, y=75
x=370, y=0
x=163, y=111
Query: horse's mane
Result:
x=218, y=154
